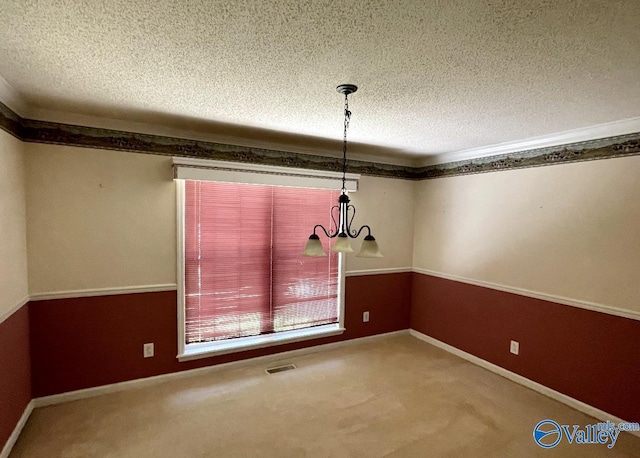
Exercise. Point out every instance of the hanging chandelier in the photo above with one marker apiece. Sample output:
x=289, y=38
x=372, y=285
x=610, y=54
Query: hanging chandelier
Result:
x=341, y=229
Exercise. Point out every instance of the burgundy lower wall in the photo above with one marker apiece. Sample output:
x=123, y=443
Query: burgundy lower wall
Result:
x=15, y=371
x=591, y=356
x=92, y=341
x=87, y=342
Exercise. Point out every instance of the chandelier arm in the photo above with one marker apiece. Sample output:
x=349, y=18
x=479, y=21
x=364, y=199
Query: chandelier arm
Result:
x=350, y=220
x=357, y=234
x=323, y=230
x=335, y=223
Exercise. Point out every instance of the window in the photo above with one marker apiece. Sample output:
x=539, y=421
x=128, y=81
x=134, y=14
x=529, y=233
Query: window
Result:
x=244, y=282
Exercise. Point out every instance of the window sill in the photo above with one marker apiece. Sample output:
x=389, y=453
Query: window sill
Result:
x=206, y=350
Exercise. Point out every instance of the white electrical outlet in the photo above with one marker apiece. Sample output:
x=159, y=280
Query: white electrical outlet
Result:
x=515, y=347
x=365, y=317
x=147, y=350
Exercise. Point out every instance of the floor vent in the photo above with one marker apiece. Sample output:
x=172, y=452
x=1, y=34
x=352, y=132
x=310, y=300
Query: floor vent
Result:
x=286, y=367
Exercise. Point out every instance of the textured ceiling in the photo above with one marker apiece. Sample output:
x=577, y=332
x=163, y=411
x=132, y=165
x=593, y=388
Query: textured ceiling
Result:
x=434, y=76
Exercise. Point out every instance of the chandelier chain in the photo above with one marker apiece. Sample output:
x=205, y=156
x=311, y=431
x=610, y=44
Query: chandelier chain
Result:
x=347, y=118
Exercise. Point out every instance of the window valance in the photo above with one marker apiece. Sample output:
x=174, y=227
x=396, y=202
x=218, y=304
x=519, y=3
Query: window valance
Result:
x=235, y=172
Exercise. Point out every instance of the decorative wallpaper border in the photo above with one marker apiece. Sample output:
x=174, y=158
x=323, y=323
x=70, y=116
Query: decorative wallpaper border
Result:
x=30, y=130
x=603, y=148
x=10, y=121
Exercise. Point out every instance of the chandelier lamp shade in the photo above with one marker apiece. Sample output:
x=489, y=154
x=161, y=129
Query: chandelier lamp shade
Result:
x=345, y=212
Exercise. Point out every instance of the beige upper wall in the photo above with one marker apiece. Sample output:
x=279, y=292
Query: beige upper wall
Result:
x=99, y=219
x=569, y=230
x=13, y=238
x=104, y=219
x=386, y=205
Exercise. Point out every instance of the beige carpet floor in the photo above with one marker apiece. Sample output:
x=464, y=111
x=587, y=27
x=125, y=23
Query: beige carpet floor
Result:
x=396, y=396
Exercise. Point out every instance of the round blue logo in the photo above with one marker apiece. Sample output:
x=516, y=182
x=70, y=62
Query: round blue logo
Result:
x=547, y=434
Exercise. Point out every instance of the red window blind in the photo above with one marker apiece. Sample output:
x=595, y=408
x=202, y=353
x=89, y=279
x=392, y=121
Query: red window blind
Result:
x=244, y=272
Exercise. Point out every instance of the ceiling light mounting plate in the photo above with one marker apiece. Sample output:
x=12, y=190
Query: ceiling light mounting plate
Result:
x=347, y=89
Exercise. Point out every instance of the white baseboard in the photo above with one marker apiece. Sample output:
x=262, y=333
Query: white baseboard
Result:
x=6, y=450
x=157, y=379
x=535, y=386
